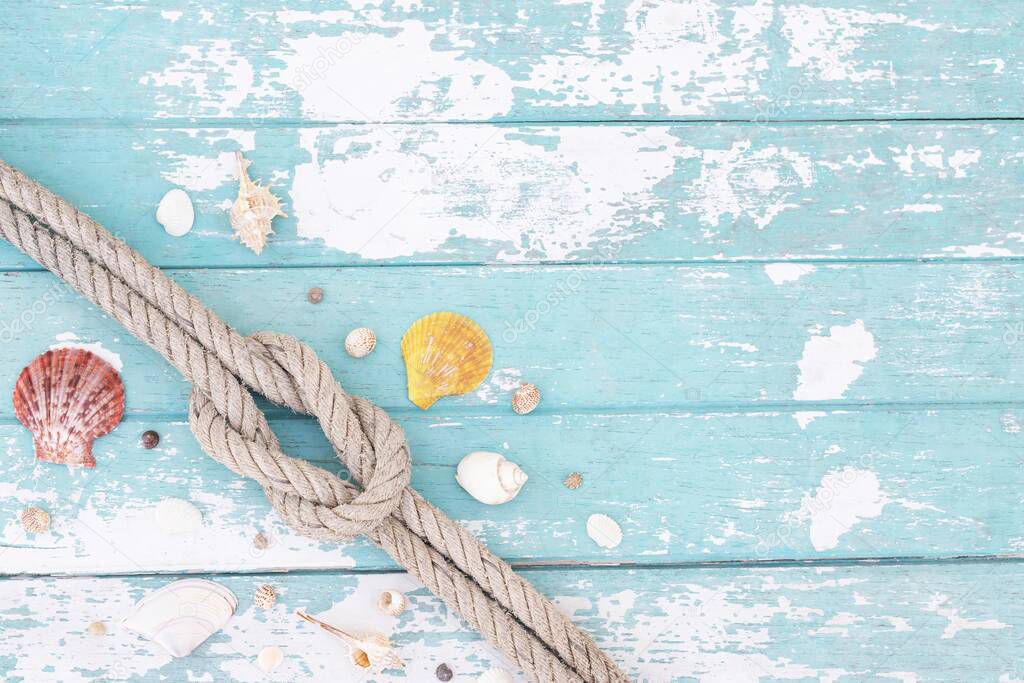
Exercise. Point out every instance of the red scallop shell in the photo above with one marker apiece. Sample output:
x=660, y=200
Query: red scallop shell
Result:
x=66, y=398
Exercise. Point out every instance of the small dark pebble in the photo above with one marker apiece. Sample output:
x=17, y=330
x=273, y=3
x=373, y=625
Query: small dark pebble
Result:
x=444, y=673
x=315, y=296
x=150, y=439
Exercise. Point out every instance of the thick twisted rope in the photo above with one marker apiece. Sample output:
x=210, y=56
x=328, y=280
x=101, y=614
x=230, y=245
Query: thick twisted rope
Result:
x=223, y=366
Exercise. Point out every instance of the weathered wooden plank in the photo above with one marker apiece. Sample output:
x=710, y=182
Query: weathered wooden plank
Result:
x=485, y=193
x=608, y=337
x=505, y=60
x=950, y=622
x=684, y=487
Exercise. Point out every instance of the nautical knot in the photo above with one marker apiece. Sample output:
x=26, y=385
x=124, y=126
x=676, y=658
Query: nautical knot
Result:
x=311, y=500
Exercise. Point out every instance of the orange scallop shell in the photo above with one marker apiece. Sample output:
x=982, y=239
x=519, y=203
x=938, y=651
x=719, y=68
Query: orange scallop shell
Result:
x=67, y=398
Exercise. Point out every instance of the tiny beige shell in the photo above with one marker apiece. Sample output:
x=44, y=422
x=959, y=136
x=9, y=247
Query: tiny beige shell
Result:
x=265, y=596
x=392, y=602
x=360, y=342
x=97, y=628
x=269, y=658
x=35, y=520
x=573, y=481
x=526, y=398
x=260, y=541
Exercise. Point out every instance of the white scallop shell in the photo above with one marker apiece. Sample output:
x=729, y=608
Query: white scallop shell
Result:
x=604, y=530
x=495, y=675
x=489, y=477
x=360, y=342
x=269, y=658
x=175, y=213
x=177, y=517
x=182, y=615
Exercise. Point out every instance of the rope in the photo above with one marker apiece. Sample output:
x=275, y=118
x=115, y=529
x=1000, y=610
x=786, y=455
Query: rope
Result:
x=223, y=366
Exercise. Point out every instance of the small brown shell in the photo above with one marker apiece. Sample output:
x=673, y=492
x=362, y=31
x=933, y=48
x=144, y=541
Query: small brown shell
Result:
x=573, y=481
x=97, y=628
x=265, y=596
x=260, y=541
x=35, y=520
x=525, y=398
x=67, y=398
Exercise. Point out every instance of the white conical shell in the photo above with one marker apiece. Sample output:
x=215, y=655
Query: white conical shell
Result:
x=495, y=675
x=392, y=602
x=175, y=213
x=489, y=477
x=182, y=615
x=253, y=210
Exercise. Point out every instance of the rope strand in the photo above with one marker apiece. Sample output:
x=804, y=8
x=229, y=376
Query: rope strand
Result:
x=224, y=366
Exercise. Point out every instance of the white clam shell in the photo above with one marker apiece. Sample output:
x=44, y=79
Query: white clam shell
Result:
x=182, y=615
x=489, y=477
x=269, y=658
x=604, y=530
x=175, y=213
x=495, y=675
x=177, y=517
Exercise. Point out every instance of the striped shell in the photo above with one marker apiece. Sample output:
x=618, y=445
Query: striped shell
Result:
x=446, y=354
x=35, y=520
x=66, y=398
x=525, y=398
x=265, y=596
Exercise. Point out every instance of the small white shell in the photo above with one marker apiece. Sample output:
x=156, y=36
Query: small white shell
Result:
x=175, y=213
x=97, y=628
x=489, y=477
x=392, y=602
x=269, y=658
x=495, y=675
x=525, y=398
x=265, y=596
x=177, y=517
x=604, y=530
x=35, y=520
x=360, y=342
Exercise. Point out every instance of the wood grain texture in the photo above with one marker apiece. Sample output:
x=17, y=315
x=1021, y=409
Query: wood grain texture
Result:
x=750, y=59
x=527, y=194
x=958, y=622
x=762, y=257
x=684, y=487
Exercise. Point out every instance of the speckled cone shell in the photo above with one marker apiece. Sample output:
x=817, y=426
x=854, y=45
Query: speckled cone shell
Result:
x=253, y=210
x=67, y=398
x=446, y=354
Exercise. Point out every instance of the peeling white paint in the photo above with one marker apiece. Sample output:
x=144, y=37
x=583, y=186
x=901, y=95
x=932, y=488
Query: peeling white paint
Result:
x=844, y=498
x=781, y=273
x=830, y=364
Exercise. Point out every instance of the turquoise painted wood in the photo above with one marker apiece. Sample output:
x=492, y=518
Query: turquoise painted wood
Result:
x=950, y=622
x=762, y=258
x=525, y=194
x=685, y=488
x=379, y=61
x=607, y=337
